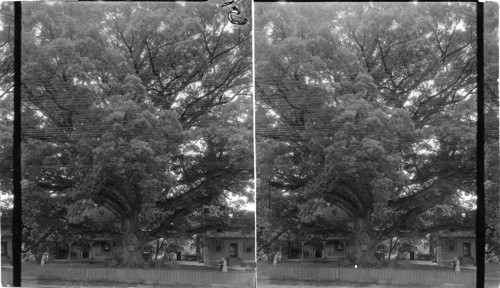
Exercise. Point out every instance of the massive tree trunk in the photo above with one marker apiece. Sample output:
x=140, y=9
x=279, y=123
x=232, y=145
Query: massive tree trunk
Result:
x=132, y=243
x=365, y=243
x=199, y=249
x=159, y=246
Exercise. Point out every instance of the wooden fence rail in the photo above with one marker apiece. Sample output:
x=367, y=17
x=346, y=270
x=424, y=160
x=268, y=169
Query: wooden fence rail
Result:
x=247, y=279
x=6, y=277
x=375, y=275
x=492, y=271
x=153, y=276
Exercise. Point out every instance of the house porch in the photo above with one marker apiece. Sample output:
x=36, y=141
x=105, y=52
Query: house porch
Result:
x=324, y=250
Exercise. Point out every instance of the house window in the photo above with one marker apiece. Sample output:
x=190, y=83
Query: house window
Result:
x=105, y=246
x=4, y=248
x=338, y=246
x=249, y=247
x=218, y=245
x=451, y=245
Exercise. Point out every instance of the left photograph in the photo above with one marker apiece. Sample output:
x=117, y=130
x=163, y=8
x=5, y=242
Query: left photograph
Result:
x=137, y=144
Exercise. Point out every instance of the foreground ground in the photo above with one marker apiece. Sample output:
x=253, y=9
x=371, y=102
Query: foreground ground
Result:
x=53, y=283
x=275, y=283
x=57, y=283
x=263, y=281
x=408, y=264
x=492, y=284
x=283, y=283
x=261, y=284
x=31, y=280
x=177, y=265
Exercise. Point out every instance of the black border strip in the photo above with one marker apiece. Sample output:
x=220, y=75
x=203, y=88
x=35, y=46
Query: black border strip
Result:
x=16, y=165
x=480, y=212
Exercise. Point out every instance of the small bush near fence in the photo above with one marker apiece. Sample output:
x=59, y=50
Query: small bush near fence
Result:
x=147, y=276
x=380, y=276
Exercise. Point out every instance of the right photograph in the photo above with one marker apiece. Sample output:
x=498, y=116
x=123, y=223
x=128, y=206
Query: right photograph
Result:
x=365, y=123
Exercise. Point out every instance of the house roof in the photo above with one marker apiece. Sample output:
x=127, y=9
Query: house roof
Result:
x=104, y=239
x=457, y=234
x=338, y=237
x=6, y=223
x=231, y=234
x=92, y=210
x=333, y=214
x=329, y=237
x=6, y=219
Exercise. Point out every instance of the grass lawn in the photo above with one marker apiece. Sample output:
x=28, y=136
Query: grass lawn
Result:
x=492, y=284
x=428, y=265
x=53, y=283
x=167, y=265
x=286, y=283
x=30, y=280
x=408, y=264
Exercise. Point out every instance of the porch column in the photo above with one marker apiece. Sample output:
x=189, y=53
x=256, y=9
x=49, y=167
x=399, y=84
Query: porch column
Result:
x=90, y=249
x=345, y=246
x=438, y=255
x=302, y=249
x=205, y=250
x=69, y=250
x=323, y=252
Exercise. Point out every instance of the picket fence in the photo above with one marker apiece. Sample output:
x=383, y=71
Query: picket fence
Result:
x=6, y=277
x=247, y=279
x=492, y=271
x=146, y=276
x=375, y=275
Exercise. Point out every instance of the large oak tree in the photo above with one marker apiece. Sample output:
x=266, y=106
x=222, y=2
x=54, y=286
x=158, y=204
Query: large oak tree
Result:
x=143, y=108
x=492, y=151
x=367, y=107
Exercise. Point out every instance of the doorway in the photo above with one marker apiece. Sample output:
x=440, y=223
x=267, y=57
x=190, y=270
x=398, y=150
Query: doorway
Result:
x=466, y=249
x=318, y=250
x=233, y=249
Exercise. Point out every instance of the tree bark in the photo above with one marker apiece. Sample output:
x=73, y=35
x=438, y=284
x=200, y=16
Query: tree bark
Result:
x=132, y=256
x=159, y=246
x=365, y=243
x=199, y=249
x=392, y=246
x=270, y=242
x=132, y=244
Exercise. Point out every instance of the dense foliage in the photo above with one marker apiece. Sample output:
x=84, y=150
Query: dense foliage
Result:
x=492, y=151
x=368, y=107
x=143, y=108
